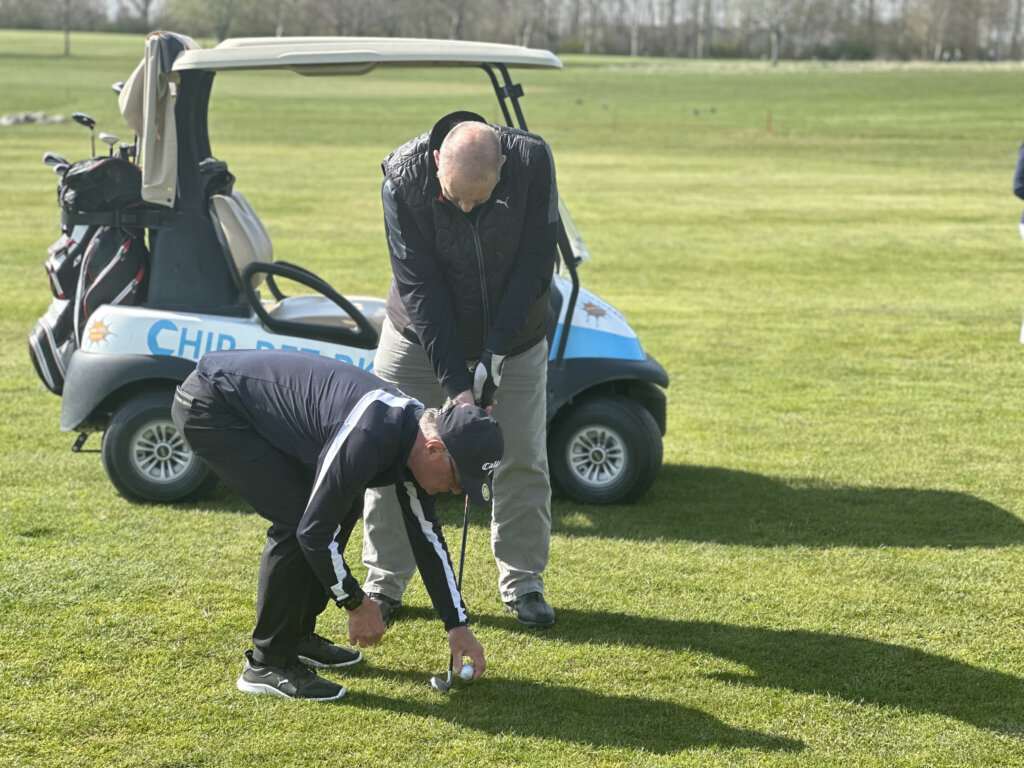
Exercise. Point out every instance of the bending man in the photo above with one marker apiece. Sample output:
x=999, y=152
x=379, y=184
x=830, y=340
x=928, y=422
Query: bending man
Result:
x=301, y=438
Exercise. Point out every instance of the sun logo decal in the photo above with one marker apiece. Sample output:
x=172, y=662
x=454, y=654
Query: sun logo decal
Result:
x=594, y=311
x=98, y=332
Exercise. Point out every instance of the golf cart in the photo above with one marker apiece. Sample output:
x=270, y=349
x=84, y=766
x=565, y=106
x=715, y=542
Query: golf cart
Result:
x=208, y=255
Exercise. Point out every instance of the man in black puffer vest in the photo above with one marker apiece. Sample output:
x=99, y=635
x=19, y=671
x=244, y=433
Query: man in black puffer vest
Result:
x=471, y=217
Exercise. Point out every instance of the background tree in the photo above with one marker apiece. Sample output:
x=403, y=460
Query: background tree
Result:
x=138, y=11
x=833, y=29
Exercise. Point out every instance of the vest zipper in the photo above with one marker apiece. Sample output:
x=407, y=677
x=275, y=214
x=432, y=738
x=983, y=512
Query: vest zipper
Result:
x=483, y=278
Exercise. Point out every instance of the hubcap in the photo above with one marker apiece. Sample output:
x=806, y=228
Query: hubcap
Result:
x=160, y=453
x=597, y=455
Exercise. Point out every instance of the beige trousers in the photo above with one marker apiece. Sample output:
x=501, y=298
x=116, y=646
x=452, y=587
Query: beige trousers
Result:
x=521, y=510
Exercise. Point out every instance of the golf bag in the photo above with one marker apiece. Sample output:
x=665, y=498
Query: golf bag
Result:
x=50, y=344
x=101, y=184
x=99, y=262
x=113, y=271
x=65, y=261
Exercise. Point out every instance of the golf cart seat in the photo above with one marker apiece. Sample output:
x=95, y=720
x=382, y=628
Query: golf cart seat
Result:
x=244, y=235
x=324, y=315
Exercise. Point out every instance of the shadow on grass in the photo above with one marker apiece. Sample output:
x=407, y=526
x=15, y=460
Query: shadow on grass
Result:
x=711, y=504
x=725, y=506
x=502, y=706
x=850, y=668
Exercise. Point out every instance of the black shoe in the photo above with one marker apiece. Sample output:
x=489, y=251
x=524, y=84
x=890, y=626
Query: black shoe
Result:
x=316, y=651
x=388, y=605
x=295, y=682
x=532, y=610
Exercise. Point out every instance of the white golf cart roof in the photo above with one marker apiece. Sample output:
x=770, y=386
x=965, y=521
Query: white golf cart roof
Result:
x=148, y=97
x=357, y=55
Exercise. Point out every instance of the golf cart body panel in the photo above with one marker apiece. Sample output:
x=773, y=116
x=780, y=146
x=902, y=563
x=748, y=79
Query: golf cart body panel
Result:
x=601, y=354
x=598, y=328
x=167, y=345
x=210, y=255
x=92, y=379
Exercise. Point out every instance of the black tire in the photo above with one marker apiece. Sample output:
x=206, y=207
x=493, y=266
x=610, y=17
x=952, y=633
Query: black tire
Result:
x=145, y=456
x=604, y=450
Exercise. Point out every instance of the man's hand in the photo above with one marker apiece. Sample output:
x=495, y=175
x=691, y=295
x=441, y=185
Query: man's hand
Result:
x=365, y=625
x=463, y=643
x=466, y=396
x=487, y=378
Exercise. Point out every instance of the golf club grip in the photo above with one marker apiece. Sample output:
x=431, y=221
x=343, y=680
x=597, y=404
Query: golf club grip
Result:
x=487, y=393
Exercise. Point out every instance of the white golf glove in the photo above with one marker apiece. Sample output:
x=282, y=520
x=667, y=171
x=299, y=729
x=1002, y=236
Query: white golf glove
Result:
x=487, y=377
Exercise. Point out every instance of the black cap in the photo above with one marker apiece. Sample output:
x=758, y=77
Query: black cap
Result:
x=476, y=444
x=443, y=126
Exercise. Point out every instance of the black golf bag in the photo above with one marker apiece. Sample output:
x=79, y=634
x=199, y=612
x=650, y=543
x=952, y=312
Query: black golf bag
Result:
x=97, y=260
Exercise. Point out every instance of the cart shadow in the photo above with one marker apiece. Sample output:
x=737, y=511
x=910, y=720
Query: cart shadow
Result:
x=508, y=707
x=856, y=670
x=711, y=504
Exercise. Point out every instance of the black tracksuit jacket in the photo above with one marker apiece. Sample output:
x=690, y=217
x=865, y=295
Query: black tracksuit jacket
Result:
x=353, y=431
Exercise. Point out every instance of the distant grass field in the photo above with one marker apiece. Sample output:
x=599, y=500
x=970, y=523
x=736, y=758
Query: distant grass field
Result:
x=829, y=569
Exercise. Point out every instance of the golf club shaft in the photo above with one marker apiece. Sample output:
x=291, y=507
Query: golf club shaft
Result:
x=462, y=554
x=462, y=560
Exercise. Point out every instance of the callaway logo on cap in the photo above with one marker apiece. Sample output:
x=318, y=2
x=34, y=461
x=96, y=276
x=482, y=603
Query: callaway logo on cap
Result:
x=475, y=443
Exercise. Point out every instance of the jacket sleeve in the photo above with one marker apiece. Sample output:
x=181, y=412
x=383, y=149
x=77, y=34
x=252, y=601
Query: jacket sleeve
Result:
x=431, y=553
x=535, y=259
x=345, y=467
x=424, y=292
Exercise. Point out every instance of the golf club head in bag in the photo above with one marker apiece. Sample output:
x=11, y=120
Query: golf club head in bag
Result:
x=83, y=119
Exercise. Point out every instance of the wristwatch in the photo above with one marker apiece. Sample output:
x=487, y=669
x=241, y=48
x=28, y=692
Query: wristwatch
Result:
x=352, y=602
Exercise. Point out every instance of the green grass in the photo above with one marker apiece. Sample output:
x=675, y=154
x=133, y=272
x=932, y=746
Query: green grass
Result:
x=829, y=568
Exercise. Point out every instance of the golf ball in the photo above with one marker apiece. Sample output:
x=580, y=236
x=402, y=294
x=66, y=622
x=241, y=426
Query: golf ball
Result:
x=467, y=672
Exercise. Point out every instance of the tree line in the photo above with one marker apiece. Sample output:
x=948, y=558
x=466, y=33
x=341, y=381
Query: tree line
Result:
x=939, y=30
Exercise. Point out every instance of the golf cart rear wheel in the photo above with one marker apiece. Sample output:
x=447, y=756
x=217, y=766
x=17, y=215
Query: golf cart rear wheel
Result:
x=145, y=456
x=605, y=450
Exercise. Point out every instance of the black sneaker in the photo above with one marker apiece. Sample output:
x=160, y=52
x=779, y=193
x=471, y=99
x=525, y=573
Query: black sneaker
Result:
x=295, y=682
x=317, y=651
x=388, y=605
x=532, y=610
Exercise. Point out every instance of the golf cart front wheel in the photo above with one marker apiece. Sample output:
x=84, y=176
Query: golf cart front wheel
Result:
x=145, y=456
x=606, y=450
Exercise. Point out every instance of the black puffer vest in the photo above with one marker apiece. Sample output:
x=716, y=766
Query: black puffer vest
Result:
x=477, y=256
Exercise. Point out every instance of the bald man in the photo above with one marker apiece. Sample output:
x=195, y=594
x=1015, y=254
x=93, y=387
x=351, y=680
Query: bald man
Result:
x=471, y=216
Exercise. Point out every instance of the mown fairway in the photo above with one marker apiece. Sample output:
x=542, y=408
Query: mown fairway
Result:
x=829, y=569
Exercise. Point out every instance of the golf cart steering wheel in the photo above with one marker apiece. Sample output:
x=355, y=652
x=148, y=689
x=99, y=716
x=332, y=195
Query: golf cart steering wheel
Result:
x=364, y=335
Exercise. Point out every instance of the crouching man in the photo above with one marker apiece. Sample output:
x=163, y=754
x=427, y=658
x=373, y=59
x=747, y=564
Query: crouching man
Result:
x=301, y=438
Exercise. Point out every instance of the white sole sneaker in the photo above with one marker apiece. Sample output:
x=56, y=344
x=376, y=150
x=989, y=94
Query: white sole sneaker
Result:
x=262, y=688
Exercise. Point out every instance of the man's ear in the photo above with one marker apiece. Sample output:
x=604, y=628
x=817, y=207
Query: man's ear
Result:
x=434, y=446
x=502, y=159
x=437, y=158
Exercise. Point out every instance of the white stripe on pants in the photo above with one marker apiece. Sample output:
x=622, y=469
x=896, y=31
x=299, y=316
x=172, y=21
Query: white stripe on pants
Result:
x=521, y=511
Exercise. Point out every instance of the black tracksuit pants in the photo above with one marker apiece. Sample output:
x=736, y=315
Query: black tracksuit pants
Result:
x=289, y=596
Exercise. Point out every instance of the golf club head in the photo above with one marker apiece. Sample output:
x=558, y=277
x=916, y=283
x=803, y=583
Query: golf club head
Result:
x=117, y=87
x=441, y=685
x=83, y=119
x=60, y=168
x=110, y=140
x=52, y=158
